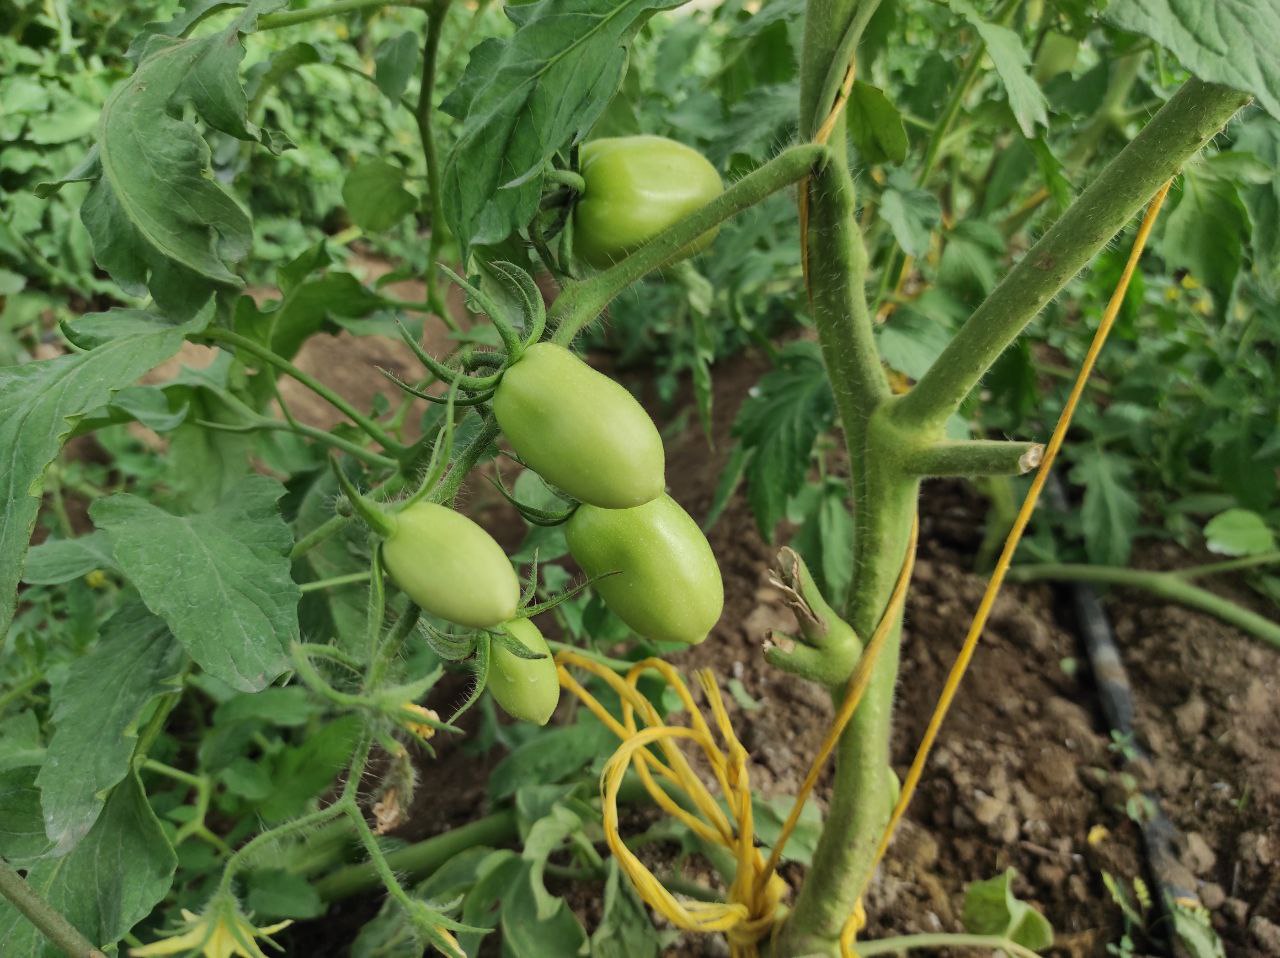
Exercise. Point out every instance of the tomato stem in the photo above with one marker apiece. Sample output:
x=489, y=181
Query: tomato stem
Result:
x=40, y=913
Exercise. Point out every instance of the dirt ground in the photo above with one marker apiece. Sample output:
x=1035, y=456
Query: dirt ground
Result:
x=1024, y=774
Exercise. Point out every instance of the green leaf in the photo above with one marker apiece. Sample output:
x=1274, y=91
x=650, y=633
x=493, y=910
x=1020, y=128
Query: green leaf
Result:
x=110, y=882
x=55, y=561
x=287, y=707
x=911, y=213
x=40, y=403
x=306, y=770
x=529, y=934
x=275, y=893
x=1207, y=231
x=990, y=908
x=1013, y=66
x=625, y=930
x=1232, y=42
x=375, y=196
x=875, y=125
x=549, y=757
x=1261, y=137
x=1109, y=512
x=522, y=99
x=780, y=423
x=220, y=579
x=22, y=837
x=771, y=813
x=825, y=542
x=1238, y=532
x=97, y=709
x=158, y=218
x=395, y=61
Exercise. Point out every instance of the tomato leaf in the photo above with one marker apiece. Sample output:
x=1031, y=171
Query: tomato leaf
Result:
x=990, y=908
x=109, y=883
x=911, y=213
x=375, y=195
x=159, y=220
x=522, y=99
x=97, y=709
x=1110, y=512
x=1207, y=231
x=876, y=125
x=40, y=403
x=1232, y=42
x=1012, y=64
x=220, y=579
x=1238, y=532
x=395, y=61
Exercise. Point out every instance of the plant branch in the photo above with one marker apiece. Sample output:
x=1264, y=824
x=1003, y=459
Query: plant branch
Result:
x=897, y=946
x=423, y=113
x=1172, y=586
x=351, y=578
x=1227, y=565
x=290, y=18
x=222, y=336
x=582, y=302
x=37, y=911
x=974, y=457
x=1195, y=114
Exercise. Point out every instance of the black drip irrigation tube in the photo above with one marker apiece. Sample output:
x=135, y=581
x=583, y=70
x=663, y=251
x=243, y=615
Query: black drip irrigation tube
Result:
x=1115, y=694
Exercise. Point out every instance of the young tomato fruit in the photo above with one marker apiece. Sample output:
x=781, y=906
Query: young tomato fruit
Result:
x=637, y=186
x=527, y=689
x=668, y=585
x=579, y=429
x=450, y=566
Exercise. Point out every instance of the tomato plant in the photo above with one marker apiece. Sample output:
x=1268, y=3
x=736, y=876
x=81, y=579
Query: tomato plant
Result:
x=259, y=602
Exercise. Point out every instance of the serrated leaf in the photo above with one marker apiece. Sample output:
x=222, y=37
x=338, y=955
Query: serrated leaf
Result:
x=875, y=125
x=779, y=424
x=108, y=884
x=375, y=196
x=911, y=213
x=1238, y=532
x=990, y=908
x=1232, y=42
x=96, y=712
x=625, y=930
x=55, y=561
x=530, y=934
x=522, y=99
x=158, y=219
x=40, y=403
x=395, y=61
x=220, y=579
x=1109, y=511
x=1207, y=231
x=1012, y=64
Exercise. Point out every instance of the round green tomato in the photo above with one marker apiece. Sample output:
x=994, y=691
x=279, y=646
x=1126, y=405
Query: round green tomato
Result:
x=579, y=429
x=637, y=186
x=668, y=585
x=527, y=689
x=450, y=566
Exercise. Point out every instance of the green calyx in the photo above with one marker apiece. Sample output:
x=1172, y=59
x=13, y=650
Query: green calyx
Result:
x=374, y=516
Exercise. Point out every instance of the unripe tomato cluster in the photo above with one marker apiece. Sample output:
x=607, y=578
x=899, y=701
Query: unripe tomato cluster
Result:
x=589, y=438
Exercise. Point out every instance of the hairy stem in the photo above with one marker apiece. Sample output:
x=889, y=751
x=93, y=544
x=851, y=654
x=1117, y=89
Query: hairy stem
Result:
x=423, y=113
x=582, y=302
x=975, y=457
x=38, y=911
x=289, y=18
x=1183, y=126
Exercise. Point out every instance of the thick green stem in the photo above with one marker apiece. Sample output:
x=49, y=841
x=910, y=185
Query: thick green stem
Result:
x=974, y=457
x=420, y=859
x=900, y=946
x=1167, y=585
x=1183, y=126
x=1227, y=565
x=582, y=302
x=290, y=18
x=37, y=911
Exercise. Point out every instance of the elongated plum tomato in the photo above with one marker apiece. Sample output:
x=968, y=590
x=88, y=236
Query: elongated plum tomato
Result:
x=527, y=689
x=579, y=429
x=668, y=585
x=450, y=566
x=637, y=186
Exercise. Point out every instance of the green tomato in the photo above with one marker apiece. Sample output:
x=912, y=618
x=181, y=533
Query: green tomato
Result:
x=450, y=566
x=637, y=186
x=667, y=585
x=527, y=689
x=579, y=429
